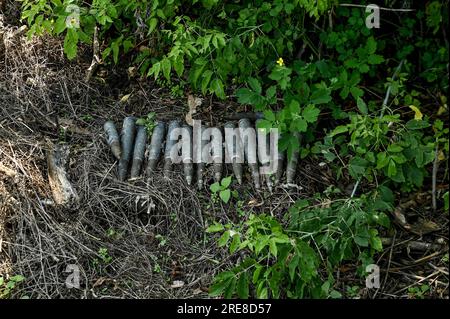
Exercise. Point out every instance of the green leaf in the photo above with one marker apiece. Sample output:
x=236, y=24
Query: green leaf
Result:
x=225, y=195
x=417, y=124
x=215, y=187
x=214, y=228
x=394, y=148
x=226, y=182
x=217, y=88
x=311, y=113
x=166, y=66
x=205, y=80
x=242, y=286
x=256, y=273
x=339, y=130
x=152, y=25
x=70, y=44
x=362, y=107
x=320, y=96
x=371, y=45
x=60, y=25
x=273, y=247
x=356, y=92
x=357, y=167
x=299, y=125
x=361, y=241
x=392, y=169
x=255, y=85
x=235, y=243
x=382, y=160
x=223, y=239
x=178, y=65
x=155, y=69
x=375, y=59
x=294, y=107
x=293, y=266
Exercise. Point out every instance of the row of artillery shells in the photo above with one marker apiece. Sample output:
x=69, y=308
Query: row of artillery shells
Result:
x=132, y=146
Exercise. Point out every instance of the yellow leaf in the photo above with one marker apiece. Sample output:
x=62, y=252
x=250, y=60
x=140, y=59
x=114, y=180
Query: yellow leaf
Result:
x=441, y=156
x=417, y=114
x=125, y=98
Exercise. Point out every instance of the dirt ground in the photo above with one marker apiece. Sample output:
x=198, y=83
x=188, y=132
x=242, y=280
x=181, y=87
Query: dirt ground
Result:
x=145, y=238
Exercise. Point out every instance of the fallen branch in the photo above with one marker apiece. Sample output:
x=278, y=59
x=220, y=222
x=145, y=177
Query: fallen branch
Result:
x=63, y=192
x=95, y=58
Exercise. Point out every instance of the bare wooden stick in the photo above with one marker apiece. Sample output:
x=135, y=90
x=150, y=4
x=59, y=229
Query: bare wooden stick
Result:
x=95, y=58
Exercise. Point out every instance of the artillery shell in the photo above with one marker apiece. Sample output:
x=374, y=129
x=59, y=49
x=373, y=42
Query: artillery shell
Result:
x=246, y=115
x=170, y=143
x=155, y=146
x=292, y=163
x=217, y=153
x=139, y=151
x=127, y=139
x=201, y=164
x=264, y=158
x=113, y=138
x=186, y=153
x=248, y=140
x=234, y=150
x=280, y=161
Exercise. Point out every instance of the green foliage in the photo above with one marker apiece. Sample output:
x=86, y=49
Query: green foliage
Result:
x=222, y=190
x=8, y=285
x=285, y=260
x=149, y=122
x=418, y=292
x=381, y=147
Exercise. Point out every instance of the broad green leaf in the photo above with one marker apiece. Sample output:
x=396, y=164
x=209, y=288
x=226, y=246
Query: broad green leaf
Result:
x=226, y=182
x=217, y=88
x=243, y=286
x=362, y=107
x=310, y=113
x=205, y=80
x=357, y=167
x=152, y=25
x=392, y=169
x=255, y=85
x=166, y=66
x=225, y=195
x=214, y=228
x=235, y=243
x=223, y=239
x=215, y=187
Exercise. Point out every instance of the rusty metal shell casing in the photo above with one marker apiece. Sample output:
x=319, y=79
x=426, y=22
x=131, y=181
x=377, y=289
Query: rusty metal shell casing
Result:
x=113, y=138
x=139, y=151
x=127, y=142
x=171, y=141
x=155, y=147
x=234, y=150
x=201, y=164
x=280, y=165
x=249, y=142
x=263, y=157
x=187, y=153
x=292, y=163
x=217, y=153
